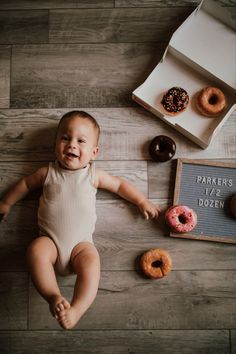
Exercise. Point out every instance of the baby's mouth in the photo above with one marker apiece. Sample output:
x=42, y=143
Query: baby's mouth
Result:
x=71, y=155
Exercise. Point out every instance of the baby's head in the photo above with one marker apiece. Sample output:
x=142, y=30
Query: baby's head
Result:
x=77, y=140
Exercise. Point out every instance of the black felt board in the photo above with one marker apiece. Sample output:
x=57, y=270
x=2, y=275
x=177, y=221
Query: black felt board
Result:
x=207, y=187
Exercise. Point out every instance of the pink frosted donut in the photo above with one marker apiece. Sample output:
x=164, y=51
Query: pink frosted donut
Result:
x=181, y=218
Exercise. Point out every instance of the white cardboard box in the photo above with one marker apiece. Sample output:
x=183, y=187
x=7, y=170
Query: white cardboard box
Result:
x=201, y=52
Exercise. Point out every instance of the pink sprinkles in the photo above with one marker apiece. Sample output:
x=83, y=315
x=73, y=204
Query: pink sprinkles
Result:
x=175, y=100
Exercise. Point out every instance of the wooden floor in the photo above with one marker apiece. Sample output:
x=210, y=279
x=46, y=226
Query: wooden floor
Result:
x=58, y=55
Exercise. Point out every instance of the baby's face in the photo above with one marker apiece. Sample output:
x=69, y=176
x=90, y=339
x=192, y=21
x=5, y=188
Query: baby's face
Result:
x=76, y=143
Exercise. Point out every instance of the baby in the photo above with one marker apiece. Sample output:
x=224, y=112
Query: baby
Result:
x=67, y=216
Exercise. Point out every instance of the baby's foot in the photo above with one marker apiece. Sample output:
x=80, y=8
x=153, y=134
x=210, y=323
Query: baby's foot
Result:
x=58, y=303
x=68, y=318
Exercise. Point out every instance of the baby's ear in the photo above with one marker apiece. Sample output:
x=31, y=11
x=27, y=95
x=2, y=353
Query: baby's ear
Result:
x=95, y=152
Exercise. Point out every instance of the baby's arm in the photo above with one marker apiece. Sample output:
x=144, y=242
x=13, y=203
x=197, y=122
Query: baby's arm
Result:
x=127, y=191
x=21, y=189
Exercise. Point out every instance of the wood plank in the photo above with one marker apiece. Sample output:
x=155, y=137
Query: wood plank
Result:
x=161, y=179
x=115, y=25
x=16, y=234
x=121, y=236
x=233, y=341
x=28, y=135
x=54, y=4
x=13, y=300
x=133, y=171
x=94, y=75
x=187, y=312
x=116, y=342
x=206, y=298
x=24, y=26
x=166, y=3
x=5, y=57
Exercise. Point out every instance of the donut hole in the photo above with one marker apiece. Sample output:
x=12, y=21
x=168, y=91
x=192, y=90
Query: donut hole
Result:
x=163, y=146
x=213, y=99
x=157, y=264
x=182, y=219
x=175, y=100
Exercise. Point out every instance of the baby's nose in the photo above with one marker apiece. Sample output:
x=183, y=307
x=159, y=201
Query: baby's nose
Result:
x=73, y=143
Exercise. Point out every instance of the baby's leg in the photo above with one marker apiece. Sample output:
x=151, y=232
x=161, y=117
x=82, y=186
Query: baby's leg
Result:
x=41, y=256
x=86, y=264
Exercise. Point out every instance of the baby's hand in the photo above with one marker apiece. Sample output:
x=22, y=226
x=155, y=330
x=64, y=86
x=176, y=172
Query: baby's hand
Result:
x=4, y=210
x=148, y=209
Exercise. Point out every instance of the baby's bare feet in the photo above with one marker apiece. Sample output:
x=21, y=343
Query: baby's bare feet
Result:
x=68, y=318
x=58, y=303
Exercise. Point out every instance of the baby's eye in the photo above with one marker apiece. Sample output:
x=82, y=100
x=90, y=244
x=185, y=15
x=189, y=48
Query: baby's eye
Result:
x=64, y=137
x=81, y=141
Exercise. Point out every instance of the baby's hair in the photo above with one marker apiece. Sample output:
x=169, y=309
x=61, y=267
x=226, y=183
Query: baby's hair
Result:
x=83, y=115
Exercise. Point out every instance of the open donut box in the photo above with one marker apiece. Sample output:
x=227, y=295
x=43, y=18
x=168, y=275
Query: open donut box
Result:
x=201, y=53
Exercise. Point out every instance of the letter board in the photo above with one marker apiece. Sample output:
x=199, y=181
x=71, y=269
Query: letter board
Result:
x=207, y=187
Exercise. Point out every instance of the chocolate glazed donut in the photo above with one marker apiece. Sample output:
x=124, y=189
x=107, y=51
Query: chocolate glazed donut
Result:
x=162, y=148
x=175, y=101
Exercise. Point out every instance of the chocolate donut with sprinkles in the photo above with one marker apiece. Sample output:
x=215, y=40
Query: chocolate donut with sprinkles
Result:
x=175, y=100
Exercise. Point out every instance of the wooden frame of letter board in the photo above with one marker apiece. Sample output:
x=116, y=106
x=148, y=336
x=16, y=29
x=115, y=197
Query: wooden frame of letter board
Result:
x=180, y=163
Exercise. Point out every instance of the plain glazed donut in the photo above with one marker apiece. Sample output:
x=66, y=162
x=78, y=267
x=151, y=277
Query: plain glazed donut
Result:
x=155, y=263
x=175, y=101
x=181, y=218
x=211, y=101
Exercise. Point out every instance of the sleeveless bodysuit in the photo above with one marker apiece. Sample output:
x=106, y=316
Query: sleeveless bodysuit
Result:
x=67, y=210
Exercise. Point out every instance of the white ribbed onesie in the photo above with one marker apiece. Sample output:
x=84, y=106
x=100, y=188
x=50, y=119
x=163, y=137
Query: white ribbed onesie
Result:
x=67, y=210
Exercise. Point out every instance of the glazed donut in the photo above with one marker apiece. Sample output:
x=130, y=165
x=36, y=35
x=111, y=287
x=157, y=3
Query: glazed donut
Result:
x=211, y=101
x=175, y=100
x=181, y=218
x=155, y=263
x=162, y=148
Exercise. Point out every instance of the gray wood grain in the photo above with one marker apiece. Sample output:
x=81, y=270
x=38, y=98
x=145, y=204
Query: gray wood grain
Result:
x=155, y=3
x=133, y=171
x=161, y=179
x=121, y=236
x=116, y=342
x=13, y=300
x=24, y=27
x=16, y=234
x=115, y=25
x=53, y=4
x=137, y=303
x=166, y=3
x=191, y=311
x=5, y=57
x=28, y=135
x=85, y=75
x=233, y=341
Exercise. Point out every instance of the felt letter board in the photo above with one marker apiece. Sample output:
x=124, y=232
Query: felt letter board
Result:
x=207, y=187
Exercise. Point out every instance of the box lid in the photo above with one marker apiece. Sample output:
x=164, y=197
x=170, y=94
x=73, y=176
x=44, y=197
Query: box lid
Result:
x=208, y=38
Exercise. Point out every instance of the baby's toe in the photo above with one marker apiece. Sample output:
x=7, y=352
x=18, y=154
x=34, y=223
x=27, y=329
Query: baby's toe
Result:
x=61, y=315
x=65, y=304
x=62, y=305
x=59, y=307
